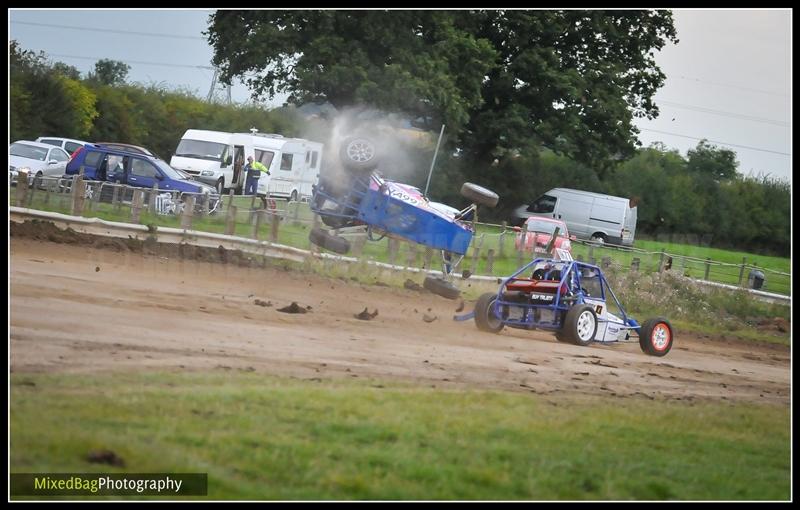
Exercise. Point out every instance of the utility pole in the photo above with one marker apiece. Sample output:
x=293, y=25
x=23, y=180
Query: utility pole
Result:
x=213, y=85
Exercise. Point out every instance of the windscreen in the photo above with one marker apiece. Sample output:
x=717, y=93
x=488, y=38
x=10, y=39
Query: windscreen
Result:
x=200, y=149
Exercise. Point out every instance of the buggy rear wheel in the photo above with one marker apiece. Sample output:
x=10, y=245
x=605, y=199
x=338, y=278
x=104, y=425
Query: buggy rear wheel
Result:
x=485, y=318
x=479, y=194
x=322, y=238
x=441, y=287
x=655, y=337
x=580, y=325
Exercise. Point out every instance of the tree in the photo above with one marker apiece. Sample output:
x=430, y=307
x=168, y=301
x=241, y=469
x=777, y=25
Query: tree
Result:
x=712, y=162
x=503, y=81
x=110, y=72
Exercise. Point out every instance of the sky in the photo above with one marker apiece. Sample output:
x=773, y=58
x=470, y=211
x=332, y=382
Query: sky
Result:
x=728, y=78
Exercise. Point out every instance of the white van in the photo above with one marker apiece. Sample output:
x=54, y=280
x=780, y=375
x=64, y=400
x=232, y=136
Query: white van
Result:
x=217, y=158
x=588, y=215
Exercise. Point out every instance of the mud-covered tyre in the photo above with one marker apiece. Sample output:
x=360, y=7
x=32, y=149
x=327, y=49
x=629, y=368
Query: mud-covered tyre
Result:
x=441, y=287
x=485, y=318
x=580, y=325
x=359, y=154
x=479, y=194
x=656, y=336
x=323, y=239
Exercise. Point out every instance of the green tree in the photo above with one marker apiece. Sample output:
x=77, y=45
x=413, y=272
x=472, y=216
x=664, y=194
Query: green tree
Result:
x=503, y=81
x=110, y=72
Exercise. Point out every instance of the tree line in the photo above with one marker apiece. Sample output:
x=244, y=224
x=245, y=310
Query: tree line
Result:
x=699, y=196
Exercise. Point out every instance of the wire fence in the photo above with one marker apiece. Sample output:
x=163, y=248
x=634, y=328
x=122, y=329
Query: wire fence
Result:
x=495, y=249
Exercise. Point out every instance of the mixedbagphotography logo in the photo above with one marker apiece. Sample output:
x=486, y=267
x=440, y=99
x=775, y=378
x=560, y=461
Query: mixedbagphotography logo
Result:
x=109, y=484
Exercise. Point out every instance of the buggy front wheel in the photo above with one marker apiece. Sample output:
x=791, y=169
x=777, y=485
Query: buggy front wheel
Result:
x=655, y=337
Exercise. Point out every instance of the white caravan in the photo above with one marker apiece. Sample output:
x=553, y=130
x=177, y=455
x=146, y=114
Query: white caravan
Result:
x=217, y=158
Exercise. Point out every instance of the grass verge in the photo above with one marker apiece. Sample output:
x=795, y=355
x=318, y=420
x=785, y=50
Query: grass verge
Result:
x=262, y=437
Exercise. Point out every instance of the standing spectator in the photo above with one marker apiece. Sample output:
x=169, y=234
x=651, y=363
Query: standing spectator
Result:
x=253, y=169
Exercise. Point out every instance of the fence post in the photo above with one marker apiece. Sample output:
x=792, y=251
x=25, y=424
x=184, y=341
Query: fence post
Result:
x=741, y=270
x=490, y=261
x=136, y=205
x=47, y=190
x=392, y=251
x=606, y=262
x=296, y=217
x=253, y=215
x=591, y=254
x=78, y=190
x=115, y=200
x=519, y=257
x=230, y=220
x=428, y=258
x=152, y=199
x=256, y=224
x=187, y=213
x=274, y=226
x=32, y=189
x=96, y=194
x=708, y=267
x=411, y=255
x=635, y=264
x=475, y=254
x=22, y=188
x=357, y=245
x=501, y=244
x=661, y=262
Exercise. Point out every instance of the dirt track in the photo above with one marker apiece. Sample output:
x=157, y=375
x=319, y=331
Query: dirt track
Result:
x=83, y=309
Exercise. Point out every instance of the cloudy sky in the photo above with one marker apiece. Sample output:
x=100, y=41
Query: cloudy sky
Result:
x=728, y=79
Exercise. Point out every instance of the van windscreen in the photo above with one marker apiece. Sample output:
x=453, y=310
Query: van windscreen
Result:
x=200, y=149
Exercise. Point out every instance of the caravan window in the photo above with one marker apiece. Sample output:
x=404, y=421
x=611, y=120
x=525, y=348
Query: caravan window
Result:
x=544, y=204
x=314, y=159
x=264, y=157
x=286, y=162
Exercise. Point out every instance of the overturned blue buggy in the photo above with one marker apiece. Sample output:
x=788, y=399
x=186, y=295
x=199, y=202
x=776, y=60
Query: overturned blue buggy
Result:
x=572, y=299
x=360, y=196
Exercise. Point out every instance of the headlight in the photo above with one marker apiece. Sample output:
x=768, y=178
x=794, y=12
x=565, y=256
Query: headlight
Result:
x=207, y=172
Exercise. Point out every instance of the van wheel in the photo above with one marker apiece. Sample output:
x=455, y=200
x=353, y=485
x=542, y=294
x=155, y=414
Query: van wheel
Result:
x=293, y=198
x=220, y=186
x=599, y=237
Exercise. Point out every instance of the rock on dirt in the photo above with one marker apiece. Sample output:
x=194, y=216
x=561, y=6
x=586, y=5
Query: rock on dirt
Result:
x=294, y=308
x=412, y=285
x=429, y=318
x=259, y=302
x=365, y=315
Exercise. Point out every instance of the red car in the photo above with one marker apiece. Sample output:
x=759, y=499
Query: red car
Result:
x=536, y=233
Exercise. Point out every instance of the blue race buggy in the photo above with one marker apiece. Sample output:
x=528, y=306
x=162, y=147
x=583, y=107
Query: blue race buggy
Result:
x=571, y=298
x=360, y=196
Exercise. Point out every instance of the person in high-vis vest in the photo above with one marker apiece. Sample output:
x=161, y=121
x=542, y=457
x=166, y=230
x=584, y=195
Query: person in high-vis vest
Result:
x=253, y=169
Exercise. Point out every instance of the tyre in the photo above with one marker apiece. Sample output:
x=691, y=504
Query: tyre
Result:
x=485, y=318
x=220, y=186
x=322, y=238
x=479, y=194
x=599, y=237
x=441, y=287
x=358, y=154
x=580, y=325
x=293, y=197
x=655, y=337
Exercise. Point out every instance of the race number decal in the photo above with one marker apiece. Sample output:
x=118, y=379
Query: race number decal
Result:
x=598, y=309
x=405, y=197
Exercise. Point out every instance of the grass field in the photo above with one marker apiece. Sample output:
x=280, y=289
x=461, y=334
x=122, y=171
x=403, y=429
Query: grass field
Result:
x=262, y=437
